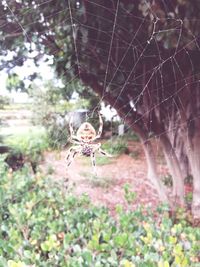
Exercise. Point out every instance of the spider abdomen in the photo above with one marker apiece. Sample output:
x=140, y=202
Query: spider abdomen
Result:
x=86, y=151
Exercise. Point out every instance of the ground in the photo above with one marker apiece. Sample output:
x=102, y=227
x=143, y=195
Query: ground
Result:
x=107, y=188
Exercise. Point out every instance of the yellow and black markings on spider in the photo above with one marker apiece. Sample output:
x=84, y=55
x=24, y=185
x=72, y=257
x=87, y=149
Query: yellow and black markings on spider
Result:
x=84, y=144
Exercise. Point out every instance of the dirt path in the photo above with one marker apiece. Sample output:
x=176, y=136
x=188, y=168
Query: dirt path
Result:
x=107, y=188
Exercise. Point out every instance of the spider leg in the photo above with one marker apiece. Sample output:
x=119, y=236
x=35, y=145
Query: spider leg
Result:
x=73, y=138
x=76, y=142
x=71, y=127
x=94, y=163
x=104, y=153
x=100, y=127
x=97, y=147
x=71, y=154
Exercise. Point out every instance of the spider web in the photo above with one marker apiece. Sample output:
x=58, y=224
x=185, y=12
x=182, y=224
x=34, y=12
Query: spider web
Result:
x=176, y=24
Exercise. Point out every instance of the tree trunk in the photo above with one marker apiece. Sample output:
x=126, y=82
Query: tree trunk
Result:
x=194, y=158
x=152, y=171
x=195, y=166
x=175, y=171
x=178, y=143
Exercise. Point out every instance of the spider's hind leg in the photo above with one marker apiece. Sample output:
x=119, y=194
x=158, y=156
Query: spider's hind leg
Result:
x=94, y=164
x=104, y=153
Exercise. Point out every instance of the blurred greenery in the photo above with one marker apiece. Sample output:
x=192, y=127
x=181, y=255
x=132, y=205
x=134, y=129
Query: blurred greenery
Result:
x=14, y=83
x=100, y=160
x=44, y=225
x=4, y=101
x=103, y=160
x=29, y=146
x=98, y=181
x=51, y=106
x=116, y=146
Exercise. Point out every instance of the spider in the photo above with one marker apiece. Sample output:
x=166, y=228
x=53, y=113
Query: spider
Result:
x=84, y=142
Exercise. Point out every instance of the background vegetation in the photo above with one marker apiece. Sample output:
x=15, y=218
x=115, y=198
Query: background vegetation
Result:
x=44, y=224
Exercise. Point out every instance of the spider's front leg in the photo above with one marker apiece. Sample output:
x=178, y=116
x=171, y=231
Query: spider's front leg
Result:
x=72, y=152
x=71, y=127
x=100, y=127
x=73, y=138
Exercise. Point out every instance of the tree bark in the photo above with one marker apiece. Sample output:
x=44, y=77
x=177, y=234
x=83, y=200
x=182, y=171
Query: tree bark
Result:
x=176, y=138
x=175, y=171
x=194, y=159
x=152, y=171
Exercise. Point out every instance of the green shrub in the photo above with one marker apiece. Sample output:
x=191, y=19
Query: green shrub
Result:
x=116, y=146
x=31, y=145
x=44, y=225
x=57, y=130
x=4, y=101
x=132, y=136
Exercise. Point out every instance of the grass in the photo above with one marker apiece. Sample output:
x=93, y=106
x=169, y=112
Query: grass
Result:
x=116, y=146
x=25, y=136
x=17, y=106
x=100, y=160
x=20, y=130
x=98, y=181
x=50, y=170
x=131, y=136
x=135, y=154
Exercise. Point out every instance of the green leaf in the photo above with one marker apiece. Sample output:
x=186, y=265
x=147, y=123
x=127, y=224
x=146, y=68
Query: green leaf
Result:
x=163, y=264
x=87, y=255
x=12, y=263
x=121, y=239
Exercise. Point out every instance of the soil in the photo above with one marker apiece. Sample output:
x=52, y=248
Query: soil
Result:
x=107, y=188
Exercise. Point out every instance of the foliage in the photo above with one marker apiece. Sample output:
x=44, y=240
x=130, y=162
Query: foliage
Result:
x=30, y=145
x=132, y=136
x=103, y=160
x=18, y=106
x=14, y=83
x=44, y=101
x=50, y=108
x=188, y=198
x=98, y=181
x=100, y=160
x=57, y=130
x=4, y=101
x=43, y=224
x=135, y=154
x=116, y=146
x=129, y=194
